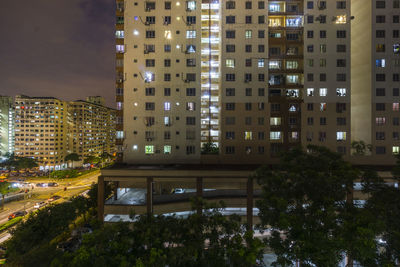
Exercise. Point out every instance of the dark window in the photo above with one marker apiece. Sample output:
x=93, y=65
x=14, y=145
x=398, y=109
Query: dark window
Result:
x=380, y=77
x=380, y=4
x=340, y=48
x=230, y=5
x=230, y=77
x=340, y=34
x=380, y=33
x=150, y=91
x=150, y=105
x=167, y=91
x=230, y=48
x=190, y=91
x=380, y=91
x=230, y=19
x=261, y=34
x=248, y=19
x=380, y=106
x=230, y=34
x=230, y=106
x=248, y=5
x=230, y=91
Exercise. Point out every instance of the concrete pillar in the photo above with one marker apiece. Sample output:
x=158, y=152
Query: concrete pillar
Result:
x=149, y=195
x=116, y=184
x=100, y=198
x=250, y=199
x=199, y=192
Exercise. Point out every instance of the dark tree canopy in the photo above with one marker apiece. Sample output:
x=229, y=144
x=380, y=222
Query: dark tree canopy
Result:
x=304, y=202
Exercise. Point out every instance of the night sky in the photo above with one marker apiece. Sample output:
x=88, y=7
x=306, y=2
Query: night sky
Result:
x=60, y=48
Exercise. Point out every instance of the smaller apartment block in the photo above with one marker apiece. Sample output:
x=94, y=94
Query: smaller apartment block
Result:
x=47, y=129
x=6, y=126
x=41, y=130
x=91, y=128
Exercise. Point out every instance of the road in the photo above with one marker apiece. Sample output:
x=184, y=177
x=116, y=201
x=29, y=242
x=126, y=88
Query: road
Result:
x=74, y=187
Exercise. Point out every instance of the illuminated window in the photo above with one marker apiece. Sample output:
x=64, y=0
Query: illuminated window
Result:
x=292, y=79
x=149, y=76
x=274, y=22
x=273, y=64
x=274, y=8
x=120, y=134
x=310, y=91
x=230, y=63
x=149, y=149
x=168, y=34
x=396, y=49
x=190, y=34
x=323, y=91
x=293, y=22
x=292, y=92
x=191, y=5
x=322, y=107
x=190, y=48
x=167, y=121
x=119, y=34
x=341, y=91
x=292, y=65
x=395, y=106
x=191, y=106
x=396, y=149
x=340, y=19
x=248, y=34
x=341, y=136
x=275, y=135
x=167, y=149
x=261, y=63
x=380, y=121
x=120, y=48
x=248, y=135
x=167, y=106
x=275, y=121
x=380, y=63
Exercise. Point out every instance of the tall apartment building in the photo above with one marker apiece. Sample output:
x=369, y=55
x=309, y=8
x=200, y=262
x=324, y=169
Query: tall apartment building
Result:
x=254, y=78
x=91, y=128
x=6, y=126
x=41, y=127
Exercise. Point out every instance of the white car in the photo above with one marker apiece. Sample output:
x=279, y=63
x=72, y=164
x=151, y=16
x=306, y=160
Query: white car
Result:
x=179, y=191
x=39, y=204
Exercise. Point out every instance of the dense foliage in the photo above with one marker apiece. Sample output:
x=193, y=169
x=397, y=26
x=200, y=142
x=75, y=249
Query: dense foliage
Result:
x=308, y=203
x=210, y=239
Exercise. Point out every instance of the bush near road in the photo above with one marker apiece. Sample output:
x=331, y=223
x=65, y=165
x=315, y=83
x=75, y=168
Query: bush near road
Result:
x=10, y=223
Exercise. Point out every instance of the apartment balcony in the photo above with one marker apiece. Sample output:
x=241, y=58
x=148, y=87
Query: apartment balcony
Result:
x=284, y=70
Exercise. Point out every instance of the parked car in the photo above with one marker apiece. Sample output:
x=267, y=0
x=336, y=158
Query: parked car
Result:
x=178, y=191
x=17, y=214
x=39, y=204
x=52, y=184
x=41, y=185
x=53, y=198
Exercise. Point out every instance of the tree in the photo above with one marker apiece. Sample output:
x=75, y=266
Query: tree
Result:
x=384, y=203
x=4, y=188
x=304, y=203
x=91, y=159
x=209, y=148
x=208, y=239
x=26, y=163
x=104, y=157
x=72, y=157
x=360, y=148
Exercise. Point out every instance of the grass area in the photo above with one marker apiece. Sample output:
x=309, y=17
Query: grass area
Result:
x=10, y=223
